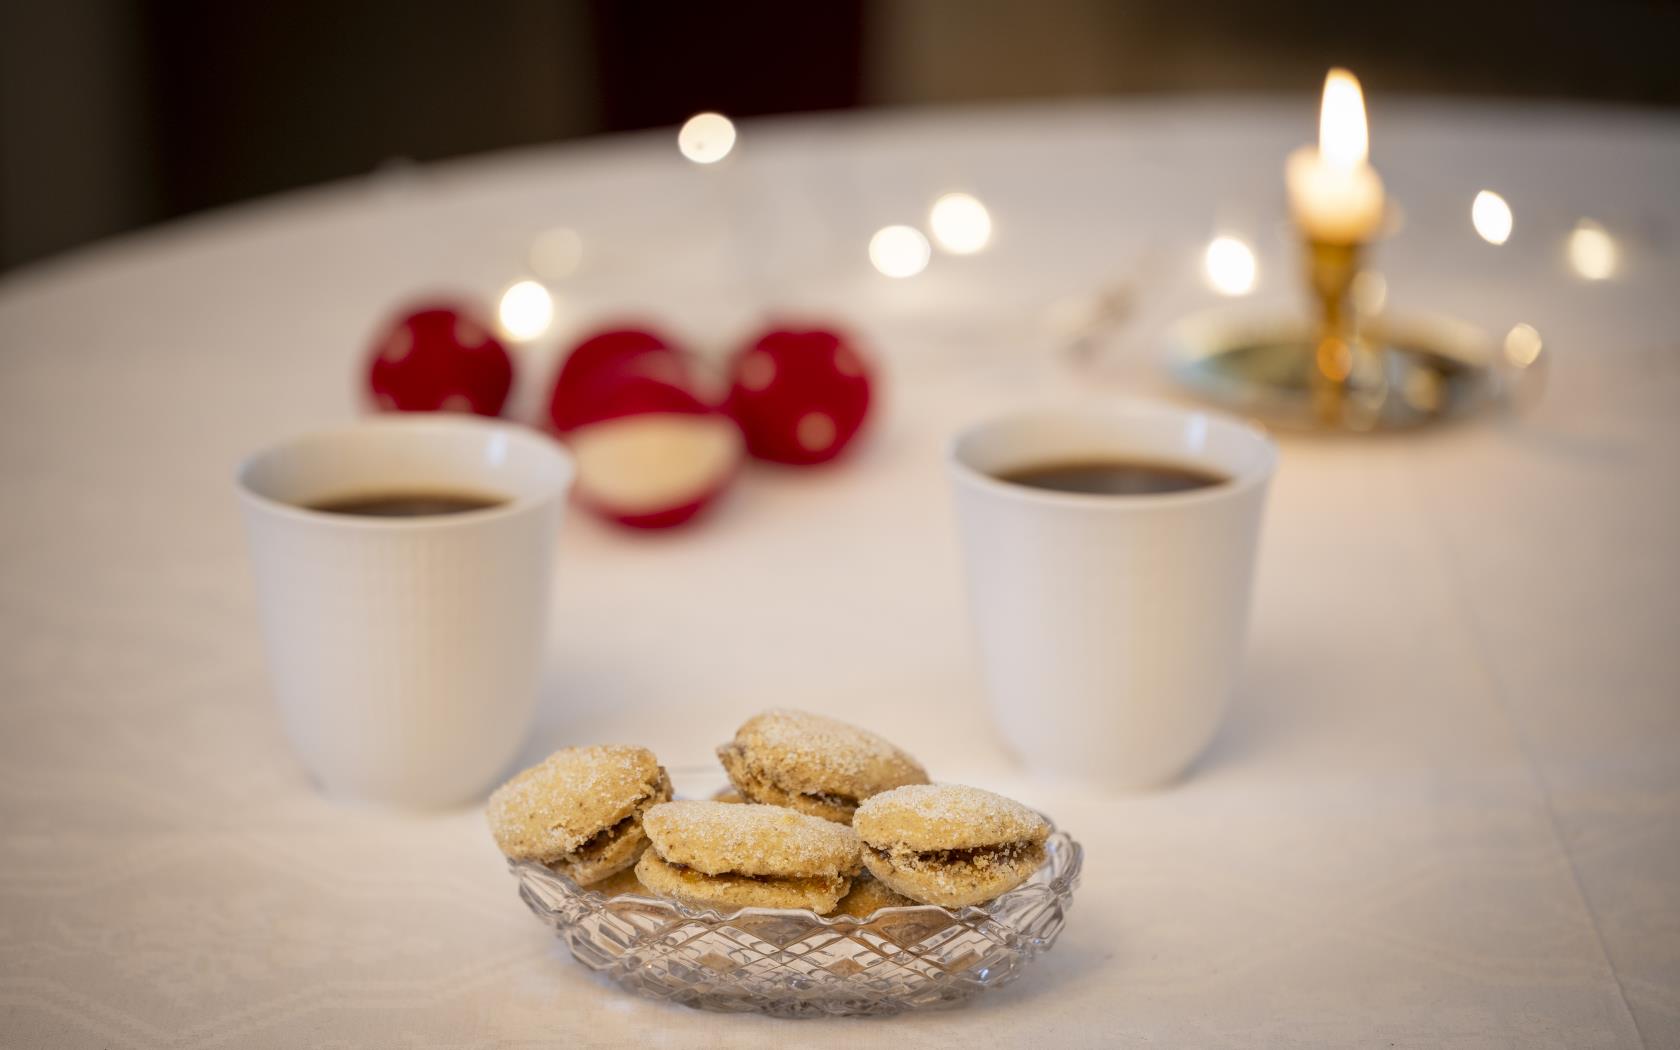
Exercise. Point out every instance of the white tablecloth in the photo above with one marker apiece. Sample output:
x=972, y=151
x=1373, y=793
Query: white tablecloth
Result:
x=1445, y=809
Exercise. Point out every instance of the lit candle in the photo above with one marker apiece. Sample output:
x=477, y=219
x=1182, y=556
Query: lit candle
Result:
x=1334, y=194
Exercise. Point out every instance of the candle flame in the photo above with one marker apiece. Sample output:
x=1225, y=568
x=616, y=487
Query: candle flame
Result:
x=1343, y=139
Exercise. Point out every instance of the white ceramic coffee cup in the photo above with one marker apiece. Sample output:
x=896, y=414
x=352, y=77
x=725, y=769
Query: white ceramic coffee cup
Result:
x=1110, y=628
x=405, y=652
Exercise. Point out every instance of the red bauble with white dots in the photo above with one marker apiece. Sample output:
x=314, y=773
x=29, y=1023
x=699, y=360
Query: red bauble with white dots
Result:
x=440, y=358
x=800, y=396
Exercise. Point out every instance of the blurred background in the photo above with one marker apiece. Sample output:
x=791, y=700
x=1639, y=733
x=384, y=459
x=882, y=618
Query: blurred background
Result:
x=115, y=115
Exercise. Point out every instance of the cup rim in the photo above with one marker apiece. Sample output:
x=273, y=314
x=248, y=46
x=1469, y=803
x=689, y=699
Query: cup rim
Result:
x=412, y=422
x=1245, y=481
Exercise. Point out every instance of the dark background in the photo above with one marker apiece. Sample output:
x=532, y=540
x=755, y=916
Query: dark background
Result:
x=118, y=114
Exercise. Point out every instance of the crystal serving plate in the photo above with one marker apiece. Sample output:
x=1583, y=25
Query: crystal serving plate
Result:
x=796, y=963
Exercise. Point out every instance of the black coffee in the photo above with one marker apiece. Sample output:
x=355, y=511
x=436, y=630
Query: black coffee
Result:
x=406, y=504
x=1113, y=477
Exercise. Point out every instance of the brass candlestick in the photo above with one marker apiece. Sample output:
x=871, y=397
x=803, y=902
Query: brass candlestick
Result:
x=1348, y=372
x=1331, y=269
x=1342, y=370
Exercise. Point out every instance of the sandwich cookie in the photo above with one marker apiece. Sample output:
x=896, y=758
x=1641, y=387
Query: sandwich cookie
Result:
x=868, y=896
x=580, y=810
x=950, y=845
x=619, y=884
x=813, y=764
x=729, y=856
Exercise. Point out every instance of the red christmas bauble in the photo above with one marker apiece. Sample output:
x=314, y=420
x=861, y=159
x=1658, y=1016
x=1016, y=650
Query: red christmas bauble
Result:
x=650, y=453
x=799, y=396
x=599, y=364
x=439, y=358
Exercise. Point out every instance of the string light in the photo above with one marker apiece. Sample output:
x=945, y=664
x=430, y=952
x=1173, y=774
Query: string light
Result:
x=1491, y=217
x=525, y=310
x=1592, y=251
x=1230, y=266
x=899, y=251
x=1522, y=345
x=706, y=138
x=960, y=223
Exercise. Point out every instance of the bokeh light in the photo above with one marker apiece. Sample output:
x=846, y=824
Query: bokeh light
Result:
x=525, y=310
x=1230, y=266
x=1370, y=292
x=1592, y=251
x=706, y=138
x=1522, y=345
x=1491, y=216
x=960, y=223
x=899, y=251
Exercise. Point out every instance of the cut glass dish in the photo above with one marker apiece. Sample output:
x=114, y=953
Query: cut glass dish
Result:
x=796, y=963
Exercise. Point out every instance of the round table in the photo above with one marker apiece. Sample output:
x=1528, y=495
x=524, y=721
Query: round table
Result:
x=1444, y=809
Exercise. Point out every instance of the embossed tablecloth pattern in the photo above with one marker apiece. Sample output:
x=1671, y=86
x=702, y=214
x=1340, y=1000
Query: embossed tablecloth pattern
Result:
x=1445, y=810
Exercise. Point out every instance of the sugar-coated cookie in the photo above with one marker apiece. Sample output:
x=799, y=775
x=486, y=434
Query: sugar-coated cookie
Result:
x=869, y=895
x=580, y=810
x=949, y=845
x=727, y=856
x=621, y=883
x=813, y=764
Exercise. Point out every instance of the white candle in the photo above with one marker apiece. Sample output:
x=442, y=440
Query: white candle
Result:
x=1334, y=193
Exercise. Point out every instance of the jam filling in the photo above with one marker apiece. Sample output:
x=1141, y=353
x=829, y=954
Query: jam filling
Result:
x=978, y=856
x=601, y=840
x=753, y=878
x=831, y=800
